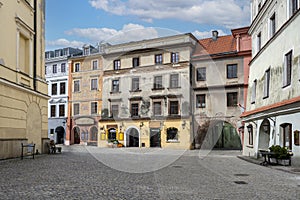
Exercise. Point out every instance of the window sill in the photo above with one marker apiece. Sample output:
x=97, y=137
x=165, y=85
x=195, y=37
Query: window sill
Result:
x=135, y=90
x=158, y=88
x=118, y=92
x=201, y=80
x=253, y=102
x=285, y=86
x=172, y=141
x=250, y=146
x=265, y=97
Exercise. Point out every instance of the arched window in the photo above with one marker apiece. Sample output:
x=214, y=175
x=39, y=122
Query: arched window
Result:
x=93, y=133
x=172, y=134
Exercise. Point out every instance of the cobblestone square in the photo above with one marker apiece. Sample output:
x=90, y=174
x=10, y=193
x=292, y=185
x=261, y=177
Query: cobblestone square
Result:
x=79, y=172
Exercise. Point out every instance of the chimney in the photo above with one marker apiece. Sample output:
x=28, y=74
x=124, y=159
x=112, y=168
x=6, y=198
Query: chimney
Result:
x=215, y=34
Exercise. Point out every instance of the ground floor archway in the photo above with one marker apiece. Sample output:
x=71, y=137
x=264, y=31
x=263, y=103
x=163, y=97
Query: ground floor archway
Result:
x=60, y=135
x=132, y=137
x=76, y=135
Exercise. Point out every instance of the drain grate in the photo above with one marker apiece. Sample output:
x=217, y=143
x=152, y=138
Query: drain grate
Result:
x=241, y=174
x=177, y=166
x=240, y=182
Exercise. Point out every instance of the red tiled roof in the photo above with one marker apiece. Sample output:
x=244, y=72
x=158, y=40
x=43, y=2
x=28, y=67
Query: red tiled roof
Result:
x=209, y=46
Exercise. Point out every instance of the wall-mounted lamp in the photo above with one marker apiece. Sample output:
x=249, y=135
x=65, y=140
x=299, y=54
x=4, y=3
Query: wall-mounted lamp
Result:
x=183, y=124
x=249, y=128
x=266, y=127
x=101, y=127
x=141, y=124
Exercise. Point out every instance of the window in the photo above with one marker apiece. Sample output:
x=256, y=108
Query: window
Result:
x=86, y=51
x=115, y=86
x=250, y=134
x=201, y=74
x=157, y=108
x=62, y=110
x=293, y=6
x=135, y=62
x=24, y=53
x=272, y=25
x=174, y=57
x=94, y=84
x=63, y=67
x=117, y=64
x=76, y=109
x=287, y=71
x=158, y=82
x=134, y=110
x=200, y=101
x=172, y=134
x=286, y=135
x=173, y=108
x=232, y=71
x=54, y=89
x=158, y=59
x=76, y=86
x=53, y=111
x=62, y=88
x=135, y=84
x=267, y=84
x=253, y=95
x=258, y=40
x=115, y=111
x=95, y=64
x=174, y=81
x=94, y=106
x=54, y=69
x=232, y=99
x=77, y=67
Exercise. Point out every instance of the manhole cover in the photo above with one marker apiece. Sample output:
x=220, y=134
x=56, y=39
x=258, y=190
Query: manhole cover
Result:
x=176, y=166
x=241, y=174
x=240, y=182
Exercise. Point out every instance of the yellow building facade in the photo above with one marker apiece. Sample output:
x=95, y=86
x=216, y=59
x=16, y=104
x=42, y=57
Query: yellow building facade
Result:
x=23, y=89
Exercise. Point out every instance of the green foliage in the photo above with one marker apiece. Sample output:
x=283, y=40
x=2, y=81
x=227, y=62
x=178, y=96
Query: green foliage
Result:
x=281, y=152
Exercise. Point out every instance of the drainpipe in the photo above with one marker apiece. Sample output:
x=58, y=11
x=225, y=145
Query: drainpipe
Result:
x=34, y=44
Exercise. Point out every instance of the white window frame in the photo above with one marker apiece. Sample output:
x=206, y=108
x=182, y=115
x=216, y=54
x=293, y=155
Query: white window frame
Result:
x=267, y=81
x=92, y=64
x=94, y=79
x=74, y=86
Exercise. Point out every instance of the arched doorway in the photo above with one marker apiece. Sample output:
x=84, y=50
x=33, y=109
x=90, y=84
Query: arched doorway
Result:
x=227, y=136
x=264, y=135
x=93, y=136
x=76, y=133
x=60, y=133
x=112, y=134
x=132, y=138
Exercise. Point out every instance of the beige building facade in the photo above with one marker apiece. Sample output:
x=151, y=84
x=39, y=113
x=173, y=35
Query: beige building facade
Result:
x=146, y=93
x=23, y=96
x=85, y=97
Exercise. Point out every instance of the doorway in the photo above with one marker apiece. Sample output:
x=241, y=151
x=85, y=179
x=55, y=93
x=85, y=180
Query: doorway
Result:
x=76, y=135
x=155, y=137
x=132, y=137
x=60, y=132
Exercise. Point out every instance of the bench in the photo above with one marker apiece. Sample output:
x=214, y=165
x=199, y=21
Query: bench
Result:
x=52, y=148
x=30, y=150
x=272, y=155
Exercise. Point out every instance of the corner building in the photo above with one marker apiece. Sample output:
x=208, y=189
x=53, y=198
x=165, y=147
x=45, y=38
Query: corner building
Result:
x=23, y=89
x=146, y=93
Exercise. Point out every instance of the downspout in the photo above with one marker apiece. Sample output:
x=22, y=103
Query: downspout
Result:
x=34, y=44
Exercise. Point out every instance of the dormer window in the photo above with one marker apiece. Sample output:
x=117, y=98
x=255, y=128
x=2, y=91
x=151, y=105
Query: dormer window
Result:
x=86, y=51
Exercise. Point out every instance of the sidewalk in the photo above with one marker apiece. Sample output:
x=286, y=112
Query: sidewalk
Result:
x=294, y=168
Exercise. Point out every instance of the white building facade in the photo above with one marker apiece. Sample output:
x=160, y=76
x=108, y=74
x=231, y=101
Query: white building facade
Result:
x=57, y=71
x=273, y=100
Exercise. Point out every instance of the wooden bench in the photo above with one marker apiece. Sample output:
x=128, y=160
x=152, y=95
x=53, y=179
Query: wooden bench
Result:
x=29, y=150
x=268, y=156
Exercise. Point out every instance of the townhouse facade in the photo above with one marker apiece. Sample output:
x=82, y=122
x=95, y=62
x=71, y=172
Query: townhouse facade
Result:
x=273, y=103
x=85, y=97
x=57, y=73
x=220, y=78
x=23, y=97
x=146, y=93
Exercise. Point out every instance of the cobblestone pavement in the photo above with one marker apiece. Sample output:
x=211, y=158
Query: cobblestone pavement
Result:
x=79, y=173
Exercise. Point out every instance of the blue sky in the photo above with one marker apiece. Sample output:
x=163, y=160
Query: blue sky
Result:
x=77, y=22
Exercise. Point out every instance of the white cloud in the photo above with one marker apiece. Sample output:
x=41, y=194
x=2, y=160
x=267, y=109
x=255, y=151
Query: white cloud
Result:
x=207, y=34
x=62, y=42
x=129, y=32
x=227, y=13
